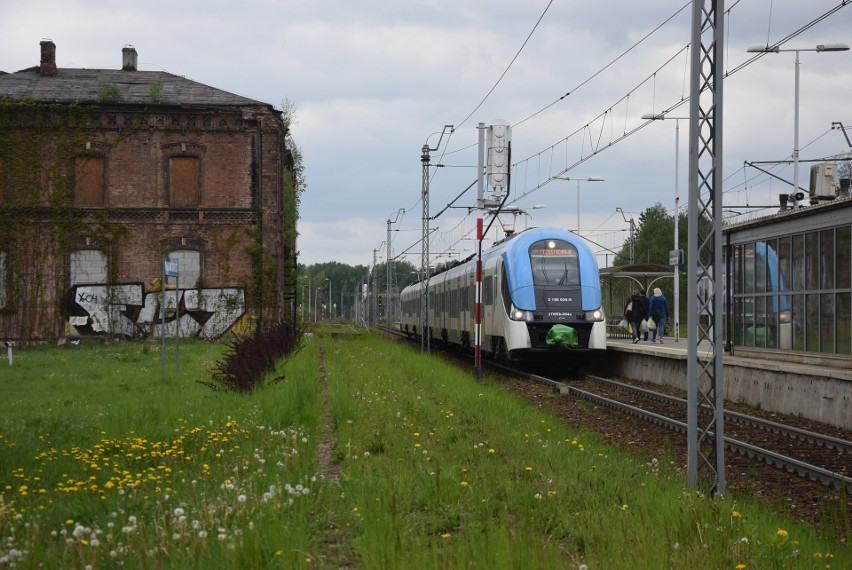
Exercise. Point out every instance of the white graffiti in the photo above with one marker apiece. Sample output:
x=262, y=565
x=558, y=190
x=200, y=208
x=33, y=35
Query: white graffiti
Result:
x=126, y=310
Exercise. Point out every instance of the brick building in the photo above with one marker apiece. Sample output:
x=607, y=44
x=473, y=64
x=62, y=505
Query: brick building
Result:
x=103, y=172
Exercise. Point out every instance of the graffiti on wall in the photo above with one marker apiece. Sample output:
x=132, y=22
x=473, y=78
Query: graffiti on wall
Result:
x=127, y=310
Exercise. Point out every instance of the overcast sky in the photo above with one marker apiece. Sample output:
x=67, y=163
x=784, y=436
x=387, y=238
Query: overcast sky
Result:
x=372, y=81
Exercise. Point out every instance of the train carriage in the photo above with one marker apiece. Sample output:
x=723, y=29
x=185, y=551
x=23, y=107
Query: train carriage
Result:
x=532, y=281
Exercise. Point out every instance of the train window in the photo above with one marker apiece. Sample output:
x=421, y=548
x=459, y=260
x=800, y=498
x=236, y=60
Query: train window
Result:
x=843, y=257
x=504, y=291
x=554, y=262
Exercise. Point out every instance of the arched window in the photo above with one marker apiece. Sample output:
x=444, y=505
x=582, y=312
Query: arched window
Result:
x=189, y=267
x=88, y=266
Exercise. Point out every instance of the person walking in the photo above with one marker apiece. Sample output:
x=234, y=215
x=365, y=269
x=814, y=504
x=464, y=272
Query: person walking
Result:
x=635, y=312
x=658, y=309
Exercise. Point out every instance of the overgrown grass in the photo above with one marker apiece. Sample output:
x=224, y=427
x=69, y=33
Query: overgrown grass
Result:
x=102, y=463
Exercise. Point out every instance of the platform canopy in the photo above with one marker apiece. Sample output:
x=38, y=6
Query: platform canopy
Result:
x=617, y=283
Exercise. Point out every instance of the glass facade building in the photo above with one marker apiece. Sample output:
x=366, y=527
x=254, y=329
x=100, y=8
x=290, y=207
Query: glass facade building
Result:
x=789, y=279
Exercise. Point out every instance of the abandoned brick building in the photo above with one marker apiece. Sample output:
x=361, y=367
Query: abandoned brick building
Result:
x=103, y=172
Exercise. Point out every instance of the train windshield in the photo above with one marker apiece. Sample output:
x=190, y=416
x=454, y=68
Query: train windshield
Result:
x=554, y=262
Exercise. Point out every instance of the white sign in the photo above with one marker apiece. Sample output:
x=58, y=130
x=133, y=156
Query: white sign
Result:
x=171, y=267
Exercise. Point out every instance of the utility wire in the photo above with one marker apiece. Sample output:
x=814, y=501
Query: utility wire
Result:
x=502, y=75
x=607, y=66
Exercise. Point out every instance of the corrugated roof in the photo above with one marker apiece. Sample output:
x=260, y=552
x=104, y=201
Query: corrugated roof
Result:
x=134, y=88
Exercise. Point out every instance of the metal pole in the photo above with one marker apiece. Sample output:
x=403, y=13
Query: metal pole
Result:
x=330, y=316
x=424, y=258
x=163, y=318
x=477, y=334
x=177, y=324
x=796, y=129
x=676, y=234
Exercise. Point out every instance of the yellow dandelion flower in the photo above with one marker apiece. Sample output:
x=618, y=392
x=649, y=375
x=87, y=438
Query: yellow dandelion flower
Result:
x=740, y=566
x=529, y=469
x=417, y=434
x=446, y=535
x=781, y=532
x=736, y=514
x=491, y=450
x=464, y=483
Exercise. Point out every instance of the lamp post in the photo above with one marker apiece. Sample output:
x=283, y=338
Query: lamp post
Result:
x=776, y=49
x=676, y=324
x=330, y=316
x=589, y=179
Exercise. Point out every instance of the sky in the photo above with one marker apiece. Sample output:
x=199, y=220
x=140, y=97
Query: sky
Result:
x=371, y=82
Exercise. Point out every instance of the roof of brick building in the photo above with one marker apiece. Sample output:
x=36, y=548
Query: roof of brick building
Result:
x=71, y=85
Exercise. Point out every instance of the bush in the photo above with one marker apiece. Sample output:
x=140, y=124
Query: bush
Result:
x=249, y=362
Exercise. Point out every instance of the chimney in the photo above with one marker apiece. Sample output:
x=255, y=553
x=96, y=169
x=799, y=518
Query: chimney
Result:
x=128, y=58
x=782, y=198
x=844, y=187
x=48, y=59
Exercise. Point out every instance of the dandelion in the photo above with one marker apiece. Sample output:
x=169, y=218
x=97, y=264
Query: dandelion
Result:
x=446, y=535
x=464, y=483
x=179, y=512
x=202, y=534
x=241, y=498
x=740, y=566
x=781, y=532
x=529, y=469
x=736, y=515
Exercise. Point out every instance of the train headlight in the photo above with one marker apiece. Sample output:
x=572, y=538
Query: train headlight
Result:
x=517, y=314
x=784, y=317
x=596, y=315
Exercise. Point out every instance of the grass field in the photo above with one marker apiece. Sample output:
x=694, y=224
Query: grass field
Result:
x=366, y=454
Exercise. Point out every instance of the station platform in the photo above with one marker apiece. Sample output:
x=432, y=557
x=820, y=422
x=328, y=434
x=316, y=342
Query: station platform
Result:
x=820, y=392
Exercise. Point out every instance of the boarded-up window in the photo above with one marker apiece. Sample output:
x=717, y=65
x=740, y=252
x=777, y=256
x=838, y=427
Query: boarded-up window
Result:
x=89, y=181
x=183, y=182
x=88, y=266
x=189, y=267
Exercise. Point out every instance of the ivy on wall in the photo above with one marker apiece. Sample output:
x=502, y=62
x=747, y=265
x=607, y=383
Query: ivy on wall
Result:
x=39, y=224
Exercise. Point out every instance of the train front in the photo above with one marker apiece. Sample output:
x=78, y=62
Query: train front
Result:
x=554, y=285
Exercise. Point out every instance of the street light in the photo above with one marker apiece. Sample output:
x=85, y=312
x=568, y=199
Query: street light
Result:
x=776, y=49
x=589, y=179
x=330, y=316
x=677, y=120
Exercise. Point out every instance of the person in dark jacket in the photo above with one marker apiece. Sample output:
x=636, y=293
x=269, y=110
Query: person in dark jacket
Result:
x=658, y=309
x=635, y=312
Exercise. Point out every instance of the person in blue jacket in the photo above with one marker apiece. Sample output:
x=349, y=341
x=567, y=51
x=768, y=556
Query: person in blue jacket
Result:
x=658, y=309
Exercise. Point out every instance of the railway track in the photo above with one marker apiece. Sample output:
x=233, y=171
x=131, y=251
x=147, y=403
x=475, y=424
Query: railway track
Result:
x=817, y=457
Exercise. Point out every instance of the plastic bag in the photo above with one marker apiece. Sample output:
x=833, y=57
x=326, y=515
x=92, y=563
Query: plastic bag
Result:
x=652, y=326
x=643, y=326
x=623, y=324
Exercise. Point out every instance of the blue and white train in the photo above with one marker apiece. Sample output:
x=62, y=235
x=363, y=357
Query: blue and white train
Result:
x=531, y=281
